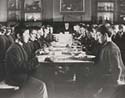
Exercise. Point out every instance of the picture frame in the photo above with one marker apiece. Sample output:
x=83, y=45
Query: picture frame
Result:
x=14, y=4
x=72, y=6
x=32, y=5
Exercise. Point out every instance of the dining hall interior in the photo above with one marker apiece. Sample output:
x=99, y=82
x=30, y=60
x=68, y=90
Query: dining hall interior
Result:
x=62, y=48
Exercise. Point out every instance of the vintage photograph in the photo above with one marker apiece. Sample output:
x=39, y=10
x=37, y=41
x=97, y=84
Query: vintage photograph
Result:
x=62, y=49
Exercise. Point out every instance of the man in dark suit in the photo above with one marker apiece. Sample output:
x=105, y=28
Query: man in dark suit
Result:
x=67, y=29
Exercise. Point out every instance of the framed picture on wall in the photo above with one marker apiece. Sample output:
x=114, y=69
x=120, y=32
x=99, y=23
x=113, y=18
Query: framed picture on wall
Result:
x=32, y=5
x=14, y=4
x=72, y=6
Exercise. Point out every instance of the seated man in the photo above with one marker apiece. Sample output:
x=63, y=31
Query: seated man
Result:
x=108, y=64
x=19, y=68
x=67, y=28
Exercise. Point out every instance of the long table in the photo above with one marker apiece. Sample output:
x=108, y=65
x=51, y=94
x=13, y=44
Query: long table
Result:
x=66, y=59
x=49, y=71
x=64, y=63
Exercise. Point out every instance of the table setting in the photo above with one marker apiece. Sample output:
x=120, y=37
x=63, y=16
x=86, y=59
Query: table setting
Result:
x=64, y=54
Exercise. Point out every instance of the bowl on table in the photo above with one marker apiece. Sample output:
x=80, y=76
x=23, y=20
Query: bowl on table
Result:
x=80, y=55
x=41, y=58
x=90, y=57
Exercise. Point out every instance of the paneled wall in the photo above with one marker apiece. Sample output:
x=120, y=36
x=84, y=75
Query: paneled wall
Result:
x=3, y=10
x=48, y=10
x=51, y=11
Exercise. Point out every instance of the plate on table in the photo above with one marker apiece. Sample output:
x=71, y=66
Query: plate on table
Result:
x=41, y=58
x=90, y=56
x=63, y=57
x=79, y=57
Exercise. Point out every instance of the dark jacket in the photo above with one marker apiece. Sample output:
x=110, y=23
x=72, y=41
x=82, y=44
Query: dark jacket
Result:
x=109, y=59
x=3, y=48
x=18, y=66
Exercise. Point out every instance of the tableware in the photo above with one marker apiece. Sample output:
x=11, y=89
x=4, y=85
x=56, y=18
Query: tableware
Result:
x=90, y=56
x=41, y=58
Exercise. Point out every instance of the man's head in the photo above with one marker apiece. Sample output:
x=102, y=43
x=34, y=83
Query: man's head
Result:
x=104, y=33
x=8, y=31
x=1, y=32
x=33, y=33
x=83, y=30
x=76, y=28
x=66, y=25
x=22, y=33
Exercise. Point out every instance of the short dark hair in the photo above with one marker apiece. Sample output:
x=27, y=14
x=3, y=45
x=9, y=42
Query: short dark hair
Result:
x=31, y=28
x=20, y=30
x=90, y=29
x=103, y=29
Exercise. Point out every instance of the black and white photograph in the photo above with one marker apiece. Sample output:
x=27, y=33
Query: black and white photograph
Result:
x=62, y=48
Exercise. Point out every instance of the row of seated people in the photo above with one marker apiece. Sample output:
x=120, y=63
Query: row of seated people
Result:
x=87, y=35
x=84, y=33
x=18, y=48
x=18, y=61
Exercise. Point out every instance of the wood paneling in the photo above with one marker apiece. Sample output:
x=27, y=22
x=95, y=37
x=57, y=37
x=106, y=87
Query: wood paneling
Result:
x=3, y=10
